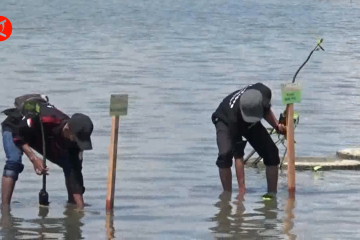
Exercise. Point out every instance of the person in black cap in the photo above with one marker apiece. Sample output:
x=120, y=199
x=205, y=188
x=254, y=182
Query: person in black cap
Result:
x=239, y=116
x=66, y=139
x=81, y=127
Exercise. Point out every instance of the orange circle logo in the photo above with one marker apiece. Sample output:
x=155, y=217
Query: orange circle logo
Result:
x=5, y=28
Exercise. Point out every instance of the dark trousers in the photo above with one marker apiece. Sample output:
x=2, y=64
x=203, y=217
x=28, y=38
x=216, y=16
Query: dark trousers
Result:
x=257, y=136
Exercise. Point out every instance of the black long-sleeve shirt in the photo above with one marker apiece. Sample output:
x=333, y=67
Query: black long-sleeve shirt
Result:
x=28, y=130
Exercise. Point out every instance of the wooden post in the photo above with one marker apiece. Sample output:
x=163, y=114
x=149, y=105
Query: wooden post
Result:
x=112, y=164
x=118, y=107
x=290, y=148
x=291, y=93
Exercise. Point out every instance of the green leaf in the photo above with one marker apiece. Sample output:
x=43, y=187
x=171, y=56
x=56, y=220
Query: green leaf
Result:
x=269, y=130
x=296, y=115
x=37, y=108
x=29, y=106
x=317, y=168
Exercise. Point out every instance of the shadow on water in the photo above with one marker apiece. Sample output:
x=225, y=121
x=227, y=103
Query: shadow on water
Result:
x=264, y=223
x=67, y=227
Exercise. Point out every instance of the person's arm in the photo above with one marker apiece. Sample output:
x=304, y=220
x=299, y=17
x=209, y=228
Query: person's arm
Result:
x=240, y=174
x=271, y=119
x=28, y=152
x=26, y=130
x=74, y=180
x=23, y=132
x=239, y=163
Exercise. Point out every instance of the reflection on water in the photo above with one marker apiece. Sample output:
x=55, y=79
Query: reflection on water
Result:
x=288, y=220
x=264, y=223
x=67, y=227
x=223, y=227
x=110, y=230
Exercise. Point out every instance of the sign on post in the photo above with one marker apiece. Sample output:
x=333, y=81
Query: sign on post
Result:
x=118, y=107
x=291, y=93
x=118, y=104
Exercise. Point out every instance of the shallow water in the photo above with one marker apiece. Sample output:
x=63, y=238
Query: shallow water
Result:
x=177, y=60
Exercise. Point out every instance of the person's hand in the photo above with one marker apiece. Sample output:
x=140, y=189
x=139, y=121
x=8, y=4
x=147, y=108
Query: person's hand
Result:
x=240, y=196
x=38, y=166
x=280, y=128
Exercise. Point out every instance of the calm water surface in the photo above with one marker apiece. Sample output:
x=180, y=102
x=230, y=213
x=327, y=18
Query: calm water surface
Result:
x=177, y=60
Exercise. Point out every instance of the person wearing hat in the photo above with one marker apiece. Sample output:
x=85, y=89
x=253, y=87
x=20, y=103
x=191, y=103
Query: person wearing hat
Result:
x=239, y=116
x=66, y=139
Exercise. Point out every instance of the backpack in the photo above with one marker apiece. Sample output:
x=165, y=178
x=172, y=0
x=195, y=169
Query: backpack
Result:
x=25, y=105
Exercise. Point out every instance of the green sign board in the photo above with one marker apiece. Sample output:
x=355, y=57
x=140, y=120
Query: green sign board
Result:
x=291, y=93
x=118, y=104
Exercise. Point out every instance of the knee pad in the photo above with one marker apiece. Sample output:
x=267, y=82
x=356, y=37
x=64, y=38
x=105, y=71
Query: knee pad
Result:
x=225, y=160
x=13, y=169
x=272, y=158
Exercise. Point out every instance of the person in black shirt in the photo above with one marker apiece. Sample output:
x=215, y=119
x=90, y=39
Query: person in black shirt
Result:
x=239, y=115
x=66, y=139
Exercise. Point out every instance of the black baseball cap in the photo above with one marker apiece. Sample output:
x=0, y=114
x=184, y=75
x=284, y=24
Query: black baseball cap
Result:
x=82, y=126
x=253, y=103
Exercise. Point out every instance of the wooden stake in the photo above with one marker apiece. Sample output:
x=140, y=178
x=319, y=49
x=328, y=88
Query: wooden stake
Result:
x=110, y=230
x=112, y=166
x=290, y=148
